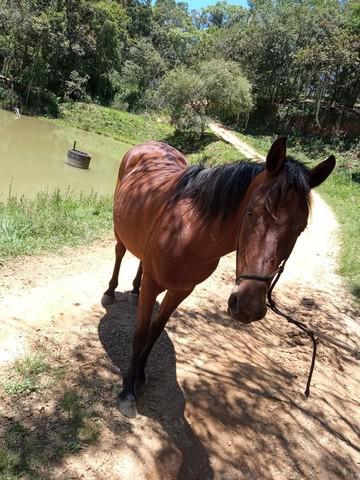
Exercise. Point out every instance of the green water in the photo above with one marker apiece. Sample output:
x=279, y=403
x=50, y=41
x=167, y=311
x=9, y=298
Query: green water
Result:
x=33, y=154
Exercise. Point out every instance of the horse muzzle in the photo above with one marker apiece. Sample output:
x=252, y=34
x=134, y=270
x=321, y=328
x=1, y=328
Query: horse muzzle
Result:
x=247, y=302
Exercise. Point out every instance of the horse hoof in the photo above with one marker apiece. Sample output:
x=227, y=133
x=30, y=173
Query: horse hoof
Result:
x=133, y=299
x=107, y=300
x=127, y=405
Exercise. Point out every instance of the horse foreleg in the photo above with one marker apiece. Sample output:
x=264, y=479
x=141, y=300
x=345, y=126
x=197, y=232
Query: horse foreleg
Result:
x=149, y=292
x=170, y=302
x=109, y=295
x=134, y=295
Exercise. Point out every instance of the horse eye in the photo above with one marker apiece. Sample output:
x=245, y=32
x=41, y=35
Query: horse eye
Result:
x=249, y=211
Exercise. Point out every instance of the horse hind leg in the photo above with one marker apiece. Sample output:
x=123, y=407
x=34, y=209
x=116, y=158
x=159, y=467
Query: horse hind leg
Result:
x=109, y=296
x=134, y=294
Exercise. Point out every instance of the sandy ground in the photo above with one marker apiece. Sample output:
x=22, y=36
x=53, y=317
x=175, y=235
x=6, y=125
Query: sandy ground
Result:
x=224, y=401
x=230, y=137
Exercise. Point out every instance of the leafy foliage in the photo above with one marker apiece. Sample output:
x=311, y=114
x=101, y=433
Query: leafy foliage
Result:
x=298, y=61
x=227, y=91
x=182, y=92
x=215, y=89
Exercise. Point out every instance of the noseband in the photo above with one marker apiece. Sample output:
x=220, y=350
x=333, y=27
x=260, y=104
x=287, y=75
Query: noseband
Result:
x=261, y=278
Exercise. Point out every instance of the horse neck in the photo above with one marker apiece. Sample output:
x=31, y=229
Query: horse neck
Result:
x=222, y=235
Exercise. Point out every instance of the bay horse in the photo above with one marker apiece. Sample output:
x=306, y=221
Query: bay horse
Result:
x=179, y=220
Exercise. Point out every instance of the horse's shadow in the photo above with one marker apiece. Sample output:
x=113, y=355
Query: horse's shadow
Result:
x=163, y=400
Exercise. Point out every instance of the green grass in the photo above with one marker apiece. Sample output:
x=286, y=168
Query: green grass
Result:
x=27, y=374
x=82, y=427
x=51, y=220
x=60, y=417
x=215, y=153
x=343, y=194
x=341, y=190
x=122, y=126
x=133, y=129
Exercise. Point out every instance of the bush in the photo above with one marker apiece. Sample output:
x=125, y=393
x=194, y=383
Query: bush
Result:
x=227, y=91
x=8, y=98
x=219, y=90
x=182, y=93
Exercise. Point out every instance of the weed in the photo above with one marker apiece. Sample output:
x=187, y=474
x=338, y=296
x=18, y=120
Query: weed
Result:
x=19, y=387
x=81, y=428
x=28, y=371
x=32, y=365
x=17, y=459
x=51, y=220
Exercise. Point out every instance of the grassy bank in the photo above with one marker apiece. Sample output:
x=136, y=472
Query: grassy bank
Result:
x=133, y=129
x=50, y=221
x=215, y=153
x=341, y=190
x=122, y=126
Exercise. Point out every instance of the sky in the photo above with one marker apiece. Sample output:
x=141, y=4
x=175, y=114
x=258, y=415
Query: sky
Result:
x=194, y=4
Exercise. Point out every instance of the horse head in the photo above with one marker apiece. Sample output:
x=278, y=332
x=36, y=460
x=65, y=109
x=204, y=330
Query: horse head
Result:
x=274, y=212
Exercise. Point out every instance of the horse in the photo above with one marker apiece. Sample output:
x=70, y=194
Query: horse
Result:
x=179, y=220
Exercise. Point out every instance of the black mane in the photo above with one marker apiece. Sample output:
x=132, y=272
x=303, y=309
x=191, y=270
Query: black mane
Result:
x=217, y=191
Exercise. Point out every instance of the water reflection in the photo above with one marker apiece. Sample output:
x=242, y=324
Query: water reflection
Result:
x=33, y=152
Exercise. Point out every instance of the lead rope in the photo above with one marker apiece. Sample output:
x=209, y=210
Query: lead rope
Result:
x=271, y=304
x=313, y=334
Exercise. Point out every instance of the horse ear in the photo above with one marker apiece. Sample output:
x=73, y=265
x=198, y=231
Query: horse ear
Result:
x=277, y=155
x=320, y=173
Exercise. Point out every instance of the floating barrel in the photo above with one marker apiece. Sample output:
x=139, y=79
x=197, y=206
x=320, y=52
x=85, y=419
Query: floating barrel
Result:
x=76, y=158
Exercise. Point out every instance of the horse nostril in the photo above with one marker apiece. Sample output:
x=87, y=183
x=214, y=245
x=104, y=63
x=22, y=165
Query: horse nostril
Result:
x=234, y=304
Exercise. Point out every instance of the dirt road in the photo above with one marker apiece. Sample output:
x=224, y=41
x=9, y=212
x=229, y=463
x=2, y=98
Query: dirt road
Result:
x=224, y=401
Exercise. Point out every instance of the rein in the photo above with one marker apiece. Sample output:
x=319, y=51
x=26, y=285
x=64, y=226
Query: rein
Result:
x=313, y=334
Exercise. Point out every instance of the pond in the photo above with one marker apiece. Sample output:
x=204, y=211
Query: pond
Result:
x=33, y=154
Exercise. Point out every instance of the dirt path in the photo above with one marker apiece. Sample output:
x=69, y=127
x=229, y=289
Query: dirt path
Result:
x=230, y=137
x=224, y=401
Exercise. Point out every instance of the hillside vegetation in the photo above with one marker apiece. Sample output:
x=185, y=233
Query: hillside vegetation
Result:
x=292, y=63
x=122, y=126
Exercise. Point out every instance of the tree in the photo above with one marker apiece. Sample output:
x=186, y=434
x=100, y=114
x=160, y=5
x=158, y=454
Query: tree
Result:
x=182, y=94
x=217, y=89
x=227, y=91
x=141, y=73
x=173, y=33
x=219, y=15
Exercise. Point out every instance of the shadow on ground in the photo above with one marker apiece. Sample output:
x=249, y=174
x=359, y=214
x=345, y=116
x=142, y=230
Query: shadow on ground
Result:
x=163, y=401
x=227, y=405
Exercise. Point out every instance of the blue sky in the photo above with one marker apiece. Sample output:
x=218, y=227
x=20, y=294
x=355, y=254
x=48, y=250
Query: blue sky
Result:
x=203, y=3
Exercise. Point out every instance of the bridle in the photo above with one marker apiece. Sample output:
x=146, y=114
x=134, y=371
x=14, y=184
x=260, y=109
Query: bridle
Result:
x=273, y=278
x=261, y=278
x=313, y=334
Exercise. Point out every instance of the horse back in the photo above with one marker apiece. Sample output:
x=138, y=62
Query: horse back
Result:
x=147, y=177
x=151, y=155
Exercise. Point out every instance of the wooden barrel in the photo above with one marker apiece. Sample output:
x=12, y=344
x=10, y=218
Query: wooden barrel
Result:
x=79, y=159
